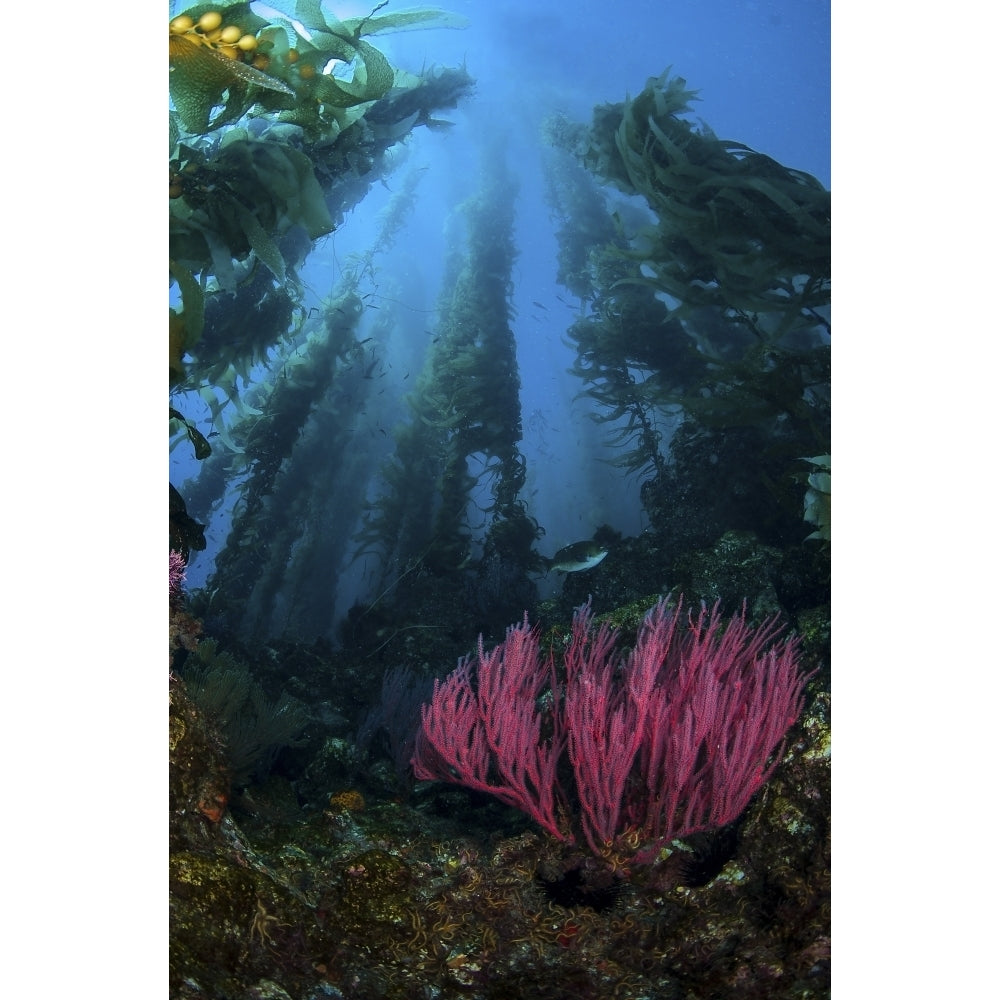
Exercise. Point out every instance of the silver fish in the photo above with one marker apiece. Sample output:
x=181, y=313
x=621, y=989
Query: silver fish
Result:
x=577, y=557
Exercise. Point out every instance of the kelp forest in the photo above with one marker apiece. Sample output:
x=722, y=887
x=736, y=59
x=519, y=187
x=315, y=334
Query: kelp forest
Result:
x=622, y=790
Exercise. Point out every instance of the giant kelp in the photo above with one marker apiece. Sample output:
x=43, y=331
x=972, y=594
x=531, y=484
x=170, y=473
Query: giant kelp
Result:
x=735, y=229
x=580, y=208
x=246, y=210
x=267, y=440
x=294, y=462
x=466, y=417
x=269, y=148
x=239, y=195
x=224, y=56
x=716, y=310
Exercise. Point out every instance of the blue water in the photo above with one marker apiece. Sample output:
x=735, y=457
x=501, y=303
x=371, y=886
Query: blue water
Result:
x=762, y=70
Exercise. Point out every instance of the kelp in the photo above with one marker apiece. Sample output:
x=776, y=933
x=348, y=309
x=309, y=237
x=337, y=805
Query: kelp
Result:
x=186, y=534
x=466, y=413
x=279, y=69
x=267, y=442
x=634, y=360
x=205, y=75
x=766, y=387
x=584, y=223
x=202, y=449
x=186, y=327
x=735, y=229
x=300, y=464
x=244, y=199
x=716, y=310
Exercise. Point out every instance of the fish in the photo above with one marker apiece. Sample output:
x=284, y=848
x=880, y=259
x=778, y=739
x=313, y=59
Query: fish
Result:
x=576, y=557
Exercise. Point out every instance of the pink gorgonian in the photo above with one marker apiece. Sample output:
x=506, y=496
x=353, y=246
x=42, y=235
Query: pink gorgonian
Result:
x=675, y=738
x=177, y=572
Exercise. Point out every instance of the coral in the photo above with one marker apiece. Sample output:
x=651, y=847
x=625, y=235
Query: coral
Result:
x=678, y=743
x=736, y=567
x=184, y=629
x=292, y=897
x=177, y=567
x=488, y=736
x=351, y=800
x=397, y=716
